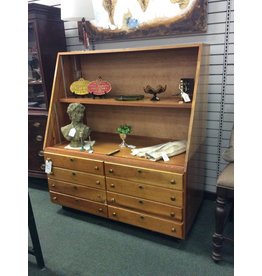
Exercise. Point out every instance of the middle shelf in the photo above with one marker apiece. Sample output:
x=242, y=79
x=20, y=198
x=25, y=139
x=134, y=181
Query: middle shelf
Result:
x=146, y=102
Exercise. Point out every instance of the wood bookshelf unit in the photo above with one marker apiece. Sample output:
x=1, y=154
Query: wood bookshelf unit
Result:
x=159, y=196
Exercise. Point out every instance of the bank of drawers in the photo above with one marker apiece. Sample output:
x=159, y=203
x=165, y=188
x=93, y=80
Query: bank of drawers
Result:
x=139, y=196
x=147, y=198
x=78, y=183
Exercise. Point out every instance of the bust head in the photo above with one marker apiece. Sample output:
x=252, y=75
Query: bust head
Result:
x=76, y=132
x=76, y=112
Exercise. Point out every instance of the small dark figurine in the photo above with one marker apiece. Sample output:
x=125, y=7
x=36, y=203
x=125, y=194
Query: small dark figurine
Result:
x=159, y=89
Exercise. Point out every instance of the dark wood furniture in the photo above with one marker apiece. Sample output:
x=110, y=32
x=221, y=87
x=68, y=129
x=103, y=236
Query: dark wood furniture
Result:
x=45, y=38
x=159, y=196
x=225, y=195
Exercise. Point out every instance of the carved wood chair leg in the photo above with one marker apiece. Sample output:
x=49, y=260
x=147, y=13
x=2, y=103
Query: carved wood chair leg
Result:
x=218, y=235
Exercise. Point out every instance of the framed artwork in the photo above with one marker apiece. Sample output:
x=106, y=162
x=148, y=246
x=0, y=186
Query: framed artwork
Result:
x=121, y=19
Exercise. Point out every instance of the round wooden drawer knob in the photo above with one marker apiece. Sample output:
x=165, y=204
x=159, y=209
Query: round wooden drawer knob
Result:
x=112, y=185
x=71, y=159
x=173, y=229
x=97, y=182
x=139, y=171
x=54, y=198
x=141, y=201
x=96, y=168
x=113, y=200
x=142, y=217
x=140, y=187
x=111, y=170
x=53, y=185
x=75, y=187
x=172, y=181
x=173, y=198
x=172, y=214
x=100, y=210
x=73, y=173
x=114, y=214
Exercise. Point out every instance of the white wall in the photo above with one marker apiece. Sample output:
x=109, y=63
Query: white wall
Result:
x=220, y=37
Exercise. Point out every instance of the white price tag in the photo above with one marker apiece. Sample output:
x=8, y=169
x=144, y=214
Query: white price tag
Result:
x=48, y=166
x=72, y=132
x=165, y=157
x=185, y=97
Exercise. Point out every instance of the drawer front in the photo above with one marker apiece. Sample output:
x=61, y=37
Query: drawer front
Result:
x=76, y=163
x=91, y=207
x=77, y=190
x=146, y=206
x=167, y=227
x=143, y=175
x=168, y=196
x=76, y=177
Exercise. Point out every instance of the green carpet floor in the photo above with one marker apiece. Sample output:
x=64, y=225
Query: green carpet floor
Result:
x=79, y=244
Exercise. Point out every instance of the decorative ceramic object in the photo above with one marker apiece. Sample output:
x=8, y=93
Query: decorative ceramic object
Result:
x=76, y=132
x=79, y=87
x=99, y=87
x=159, y=89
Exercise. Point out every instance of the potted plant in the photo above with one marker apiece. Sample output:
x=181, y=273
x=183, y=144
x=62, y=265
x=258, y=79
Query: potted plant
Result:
x=123, y=130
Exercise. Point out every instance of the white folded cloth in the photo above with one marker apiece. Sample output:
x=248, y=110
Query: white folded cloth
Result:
x=157, y=152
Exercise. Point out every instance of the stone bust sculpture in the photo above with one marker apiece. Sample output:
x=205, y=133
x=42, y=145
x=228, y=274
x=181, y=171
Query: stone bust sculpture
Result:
x=76, y=132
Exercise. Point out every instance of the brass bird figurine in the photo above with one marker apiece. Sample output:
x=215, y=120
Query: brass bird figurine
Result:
x=159, y=89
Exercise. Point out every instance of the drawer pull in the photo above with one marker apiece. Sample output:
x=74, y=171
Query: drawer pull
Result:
x=114, y=214
x=73, y=173
x=97, y=182
x=75, y=187
x=36, y=124
x=112, y=185
x=141, y=201
x=112, y=200
x=53, y=185
x=42, y=167
x=100, y=210
x=71, y=159
x=54, y=198
x=173, y=181
x=41, y=153
x=39, y=138
x=172, y=214
x=96, y=168
x=173, y=229
x=139, y=171
x=140, y=187
x=111, y=170
x=76, y=200
x=142, y=217
x=173, y=198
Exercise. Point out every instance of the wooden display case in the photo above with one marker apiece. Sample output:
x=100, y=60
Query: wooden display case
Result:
x=159, y=196
x=45, y=39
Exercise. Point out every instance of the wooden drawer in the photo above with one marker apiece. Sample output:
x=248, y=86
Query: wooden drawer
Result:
x=143, y=175
x=77, y=177
x=146, y=206
x=168, y=196
x=77, y=190
x=167, y=227
x=88, y=206
x=76, y=163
